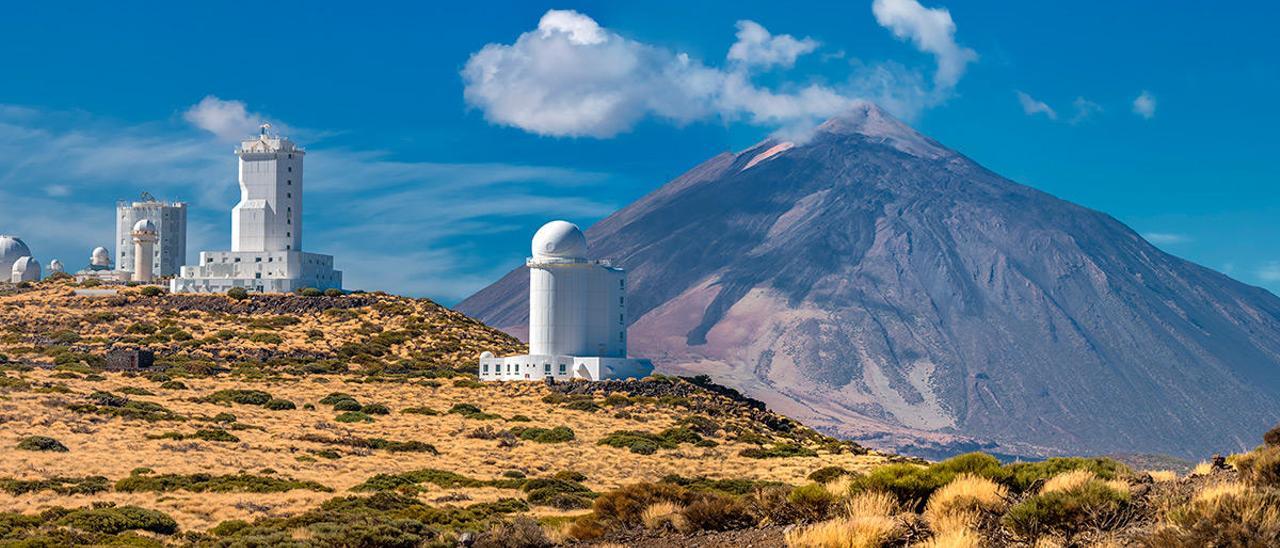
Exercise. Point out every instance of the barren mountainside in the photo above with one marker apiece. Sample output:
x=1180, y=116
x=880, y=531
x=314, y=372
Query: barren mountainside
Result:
x=875, y=284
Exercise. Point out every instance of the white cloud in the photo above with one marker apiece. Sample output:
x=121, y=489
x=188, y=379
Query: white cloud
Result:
x=1031, y=106
x=1269, y=272
x=571, y=77
x=756, y=47
x=1145, y=105
x=1084, y=109
x=57, y=191
x=229, y=120
x=932, y=31
x=1166, y=238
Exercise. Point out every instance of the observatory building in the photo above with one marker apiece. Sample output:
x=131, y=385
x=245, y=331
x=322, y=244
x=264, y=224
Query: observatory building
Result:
x=16, y=263
x=266, y=229
x=170, y=219
x=577, y=315
x=100, y=268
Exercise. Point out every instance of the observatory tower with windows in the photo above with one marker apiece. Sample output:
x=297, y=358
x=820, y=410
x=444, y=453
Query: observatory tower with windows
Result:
x=577, y=315
x=266, y=229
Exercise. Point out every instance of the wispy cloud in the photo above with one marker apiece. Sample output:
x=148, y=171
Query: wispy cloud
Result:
x=1269, y=272
x=1032, y=106
x=1084, y=110
x=1145, y=105
x=572, y=77
x=416, y=227
x=1166, y=238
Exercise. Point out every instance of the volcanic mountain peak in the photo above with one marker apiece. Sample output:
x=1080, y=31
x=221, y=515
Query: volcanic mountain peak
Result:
x=869, y=120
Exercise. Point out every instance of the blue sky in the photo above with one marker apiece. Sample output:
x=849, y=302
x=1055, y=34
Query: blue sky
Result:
x=441, y=136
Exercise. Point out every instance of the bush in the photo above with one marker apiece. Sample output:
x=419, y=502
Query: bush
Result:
x=465, y=409
x=353, y=416
x=238, y=293
x=61, y=485
x=420, y=411
x=277, y=404
x=583, y=405
x=142, y=328
x=625, y=506
x=1093, y=503
x=114, y=520
x=265, y=338
x=827, y=474
x=152, y=291
x=224, y=418
x=375, y=409
x=208, y=483
x=310, y=292
x=522, y=532
x=778, y=451
x=1227, y=514
x=717, y=513
x=1023, y=475
x=136, y=391
x=1272, y=437
x=333, y=292
x=811, y=502
x=1260, y=466
x=559, y=434
x=173, y=385
x=244, y=397
x=335, y=397
x=347, y=405
x=41, y=443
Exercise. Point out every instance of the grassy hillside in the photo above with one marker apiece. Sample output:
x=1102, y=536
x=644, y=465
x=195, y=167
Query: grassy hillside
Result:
x=357, y=421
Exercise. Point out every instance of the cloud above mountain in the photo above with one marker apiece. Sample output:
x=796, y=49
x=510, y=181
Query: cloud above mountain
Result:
x=572, y=77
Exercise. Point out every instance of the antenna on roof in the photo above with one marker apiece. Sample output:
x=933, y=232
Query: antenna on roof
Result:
x=263, y=128
x=147, y=197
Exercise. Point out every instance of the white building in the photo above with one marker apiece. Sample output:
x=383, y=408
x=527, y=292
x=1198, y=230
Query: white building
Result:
x=170, y=219
x=100, y=268
x=12, y=248
x=577, y=316
x=55, y=267
x=144, y=237
x=266, y=229
x=25, y=269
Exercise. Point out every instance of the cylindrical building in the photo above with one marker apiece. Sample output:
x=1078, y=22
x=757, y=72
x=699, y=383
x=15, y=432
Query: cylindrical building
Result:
x=559, y=274
x=144, y=242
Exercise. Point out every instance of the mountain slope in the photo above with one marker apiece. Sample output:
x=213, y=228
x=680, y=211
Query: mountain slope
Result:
x=874, y=283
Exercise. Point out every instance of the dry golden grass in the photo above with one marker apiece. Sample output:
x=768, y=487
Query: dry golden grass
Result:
x=868, y=521
x=113, y=447
x=953, y=538
x=1216, y=491
x=1068, y=481
x=1163, y=475
x=965, y=497
x=663, y=516
x=1203, y=468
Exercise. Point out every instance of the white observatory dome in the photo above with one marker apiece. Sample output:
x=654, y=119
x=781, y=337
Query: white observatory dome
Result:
x=100, y=257
x=486, y=355
x=11, y=249
x=144, y=225
x=559, y=240
x=26, y=269
x=55, y=266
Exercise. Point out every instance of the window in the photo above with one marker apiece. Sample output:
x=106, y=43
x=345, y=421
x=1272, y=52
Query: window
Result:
x=237, y=259
x=289, y=182
x=622, y=336
x=485, y=368
x=562, y=368
x=288, y=195
x=257, y=259
x=290, y=169
x=546, y=368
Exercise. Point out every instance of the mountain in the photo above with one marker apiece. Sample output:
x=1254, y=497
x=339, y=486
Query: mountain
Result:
x=877, y=285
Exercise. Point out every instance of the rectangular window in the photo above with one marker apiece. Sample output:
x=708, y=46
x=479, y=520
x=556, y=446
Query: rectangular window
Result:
x=486, y=369
x=562, y=369
x=546, y=368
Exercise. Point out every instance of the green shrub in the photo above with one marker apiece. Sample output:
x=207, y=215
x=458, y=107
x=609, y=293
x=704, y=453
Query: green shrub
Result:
x=375, y=409
x=216, y=434
x=333, y=292
x=373, y=443
x=310, y=292
x=353, y=416
x=173, y=385
x=41, y=443
x=778, y=451
x=142, y=328
x=624, y=506
x=1021, y=476
x=583, y=405
x=61, y=485
x=136, y=391
x=559, y=434
x=114, y=520
x=152, y=291
x=208, y=483
x=244, y=397
x=238, y=293
x=812, y=501
x=266, y=338
x=335, y=397
x=277, y=404
x=224, y=418
x=729, y=486
x=347, y=405
x=1093, y=504
x=420, y=411
x=717, y=513
x=827, y=474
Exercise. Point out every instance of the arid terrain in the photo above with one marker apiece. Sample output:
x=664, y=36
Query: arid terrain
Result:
x=357, y=421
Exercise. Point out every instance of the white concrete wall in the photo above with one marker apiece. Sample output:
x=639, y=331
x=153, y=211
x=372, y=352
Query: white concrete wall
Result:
x=170, y=251
x=607, y=321
x=558, y=308
x=143, y=260
x=269, y=272
x=540, y=367
x=269, y=215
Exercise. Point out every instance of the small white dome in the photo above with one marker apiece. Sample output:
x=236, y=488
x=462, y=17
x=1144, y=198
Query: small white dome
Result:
x=26, y=269
x=144, y=225
x=11, y=249
x=100, y=257
x=486, y=355
x=55, y=266
x=560, y=240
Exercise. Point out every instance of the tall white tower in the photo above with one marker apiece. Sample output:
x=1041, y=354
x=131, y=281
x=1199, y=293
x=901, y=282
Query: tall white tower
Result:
x=144, y=242
x=269, y=215
x=170, y=219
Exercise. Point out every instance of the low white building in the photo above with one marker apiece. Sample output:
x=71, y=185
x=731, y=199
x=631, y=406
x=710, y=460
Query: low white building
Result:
x=12, y=248
x=266, y=230
x=577, y=316
x=25, y=269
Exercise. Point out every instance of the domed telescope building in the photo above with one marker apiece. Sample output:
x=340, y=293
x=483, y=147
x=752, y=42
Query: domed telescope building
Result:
x=266, y=229
x=577, y=316
x=12, y=248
